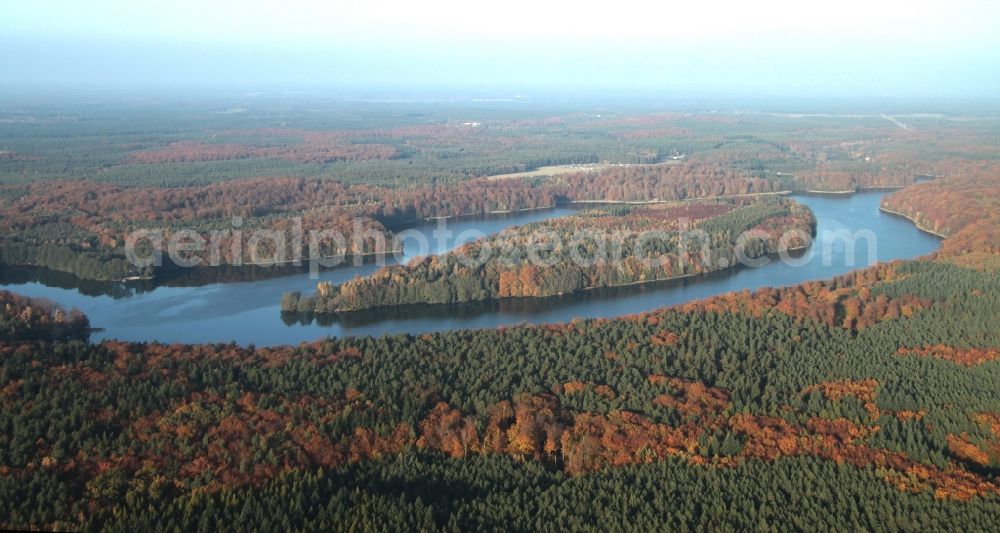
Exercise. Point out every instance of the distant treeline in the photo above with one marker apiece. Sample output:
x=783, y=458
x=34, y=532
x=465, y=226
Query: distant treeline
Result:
x=70, y=195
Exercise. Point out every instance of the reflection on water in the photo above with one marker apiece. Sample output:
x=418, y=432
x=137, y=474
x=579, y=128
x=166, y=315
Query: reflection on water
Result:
x=505, y=306
x=179, y=277
x=197, y=307
x=11, y=277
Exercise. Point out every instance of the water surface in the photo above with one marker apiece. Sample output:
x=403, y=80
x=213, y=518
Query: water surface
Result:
x=248, y=312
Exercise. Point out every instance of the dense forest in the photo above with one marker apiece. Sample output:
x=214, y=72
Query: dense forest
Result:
x=864, y=402
x=75, y=184
x=82, y=227
x=849, y=387
x=606, y=247
x=975, y=228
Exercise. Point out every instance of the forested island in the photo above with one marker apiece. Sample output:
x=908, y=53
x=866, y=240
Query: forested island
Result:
x=605, y=247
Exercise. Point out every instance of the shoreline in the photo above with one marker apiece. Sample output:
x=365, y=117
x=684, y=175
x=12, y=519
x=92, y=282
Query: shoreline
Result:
x=512, y=211
x=848, y=192
x=882, y=187
x=559, y=295
x=655, y=201
x=345, y=260
x=651, y=282
x=417, y=221
x=350, y=258
x=913, y=221
x=694, y=199
x=845, y=192
x=494, y=212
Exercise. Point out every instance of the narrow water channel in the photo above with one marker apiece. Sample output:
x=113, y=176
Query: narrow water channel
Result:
x=248, y=311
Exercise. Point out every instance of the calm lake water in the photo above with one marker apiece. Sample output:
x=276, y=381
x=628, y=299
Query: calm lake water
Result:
x=189, y=309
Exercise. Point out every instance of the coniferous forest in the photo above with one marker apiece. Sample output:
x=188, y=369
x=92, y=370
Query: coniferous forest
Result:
x=864, y=402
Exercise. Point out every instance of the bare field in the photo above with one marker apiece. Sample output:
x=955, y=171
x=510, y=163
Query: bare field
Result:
x=555, y=170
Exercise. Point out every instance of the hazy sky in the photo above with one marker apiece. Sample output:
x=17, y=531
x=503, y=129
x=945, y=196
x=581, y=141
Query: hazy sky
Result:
x=847, y=47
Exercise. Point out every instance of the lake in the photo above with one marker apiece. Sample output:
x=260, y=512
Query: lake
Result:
x=189, y=309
